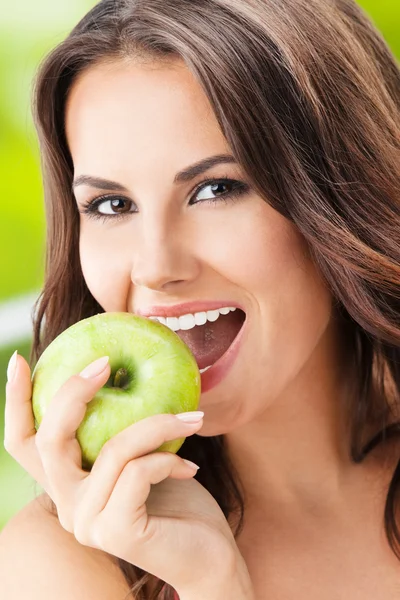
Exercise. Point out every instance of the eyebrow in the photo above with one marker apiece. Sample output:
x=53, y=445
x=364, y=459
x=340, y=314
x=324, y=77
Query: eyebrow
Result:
x=183, y=176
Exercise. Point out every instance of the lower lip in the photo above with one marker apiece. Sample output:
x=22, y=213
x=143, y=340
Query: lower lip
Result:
x=215, y=374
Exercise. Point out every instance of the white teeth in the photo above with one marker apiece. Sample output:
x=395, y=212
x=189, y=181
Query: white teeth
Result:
x=212, y=315
x=186, y=322
x=205, y=369
x=173, y=323
x=200, y=318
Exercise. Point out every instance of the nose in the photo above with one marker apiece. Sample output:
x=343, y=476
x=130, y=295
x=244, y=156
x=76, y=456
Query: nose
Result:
x=163, y=259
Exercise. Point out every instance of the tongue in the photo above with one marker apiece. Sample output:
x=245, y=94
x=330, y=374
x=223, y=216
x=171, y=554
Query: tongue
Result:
x=210, y=341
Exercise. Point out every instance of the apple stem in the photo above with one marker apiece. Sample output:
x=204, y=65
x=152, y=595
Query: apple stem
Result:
x=120, y=375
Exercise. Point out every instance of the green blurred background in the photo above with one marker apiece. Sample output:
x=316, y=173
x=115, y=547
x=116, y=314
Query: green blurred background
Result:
x=27, y=31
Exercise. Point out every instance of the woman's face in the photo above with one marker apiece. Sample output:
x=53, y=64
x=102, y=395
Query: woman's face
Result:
x=162, y=243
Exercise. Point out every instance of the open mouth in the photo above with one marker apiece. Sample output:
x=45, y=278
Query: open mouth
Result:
x=209, y=342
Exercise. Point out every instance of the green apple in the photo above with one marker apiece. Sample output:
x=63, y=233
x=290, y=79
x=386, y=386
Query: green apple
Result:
x=152, y=372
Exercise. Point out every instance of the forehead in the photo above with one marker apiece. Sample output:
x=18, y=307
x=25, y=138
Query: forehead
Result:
x=120, y=110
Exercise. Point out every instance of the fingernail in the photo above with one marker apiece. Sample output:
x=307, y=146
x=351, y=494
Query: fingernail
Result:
x=12, y=367
x=191, y=464
x=95, y=368
x=190, y=417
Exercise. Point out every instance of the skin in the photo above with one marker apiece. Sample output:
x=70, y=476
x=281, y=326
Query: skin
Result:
x=285, y=425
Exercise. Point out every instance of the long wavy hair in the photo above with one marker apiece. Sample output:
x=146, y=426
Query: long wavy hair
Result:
x=307, y=94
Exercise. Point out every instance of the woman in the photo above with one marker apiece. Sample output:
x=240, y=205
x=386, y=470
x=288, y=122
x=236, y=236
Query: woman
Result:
x=203, y=155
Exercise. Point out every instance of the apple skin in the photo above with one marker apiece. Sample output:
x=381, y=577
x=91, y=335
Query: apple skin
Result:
x=162, y=376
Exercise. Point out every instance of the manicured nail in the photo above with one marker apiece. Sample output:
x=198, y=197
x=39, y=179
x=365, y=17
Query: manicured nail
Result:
x=191, y=417
x=191, y=464
x=12, y=367
x=95, y=368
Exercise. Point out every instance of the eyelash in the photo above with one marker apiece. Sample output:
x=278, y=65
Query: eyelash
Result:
x=239, y=189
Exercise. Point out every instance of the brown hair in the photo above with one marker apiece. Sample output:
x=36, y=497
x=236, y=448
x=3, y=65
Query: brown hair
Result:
x=307, y=95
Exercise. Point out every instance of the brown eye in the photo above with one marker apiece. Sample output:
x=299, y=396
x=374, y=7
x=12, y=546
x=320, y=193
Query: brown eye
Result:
x=113, y=206
x=224, y=190
x=109, y=207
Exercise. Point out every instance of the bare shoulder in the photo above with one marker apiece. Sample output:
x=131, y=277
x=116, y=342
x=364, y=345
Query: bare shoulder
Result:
x=41, y=560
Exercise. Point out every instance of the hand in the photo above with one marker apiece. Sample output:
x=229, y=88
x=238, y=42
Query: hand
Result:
x=139, y=505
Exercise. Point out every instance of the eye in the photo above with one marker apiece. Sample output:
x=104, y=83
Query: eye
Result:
x=109, y=207
x=113, y=206
x=235, y=188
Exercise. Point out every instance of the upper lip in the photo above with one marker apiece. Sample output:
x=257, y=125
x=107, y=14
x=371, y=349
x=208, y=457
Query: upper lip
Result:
x=177, y=310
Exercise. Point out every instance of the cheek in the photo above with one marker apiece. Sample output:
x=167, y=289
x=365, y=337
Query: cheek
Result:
x=291, y=306
x=105, y=268
x=295, y=308
x=297, y=313
x=260, y=251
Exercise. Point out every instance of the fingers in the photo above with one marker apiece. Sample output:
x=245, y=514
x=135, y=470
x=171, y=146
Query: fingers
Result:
x=128, y=499
x=138, y=475
x=55, y=439
x=139, y=439
x=19, y=429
